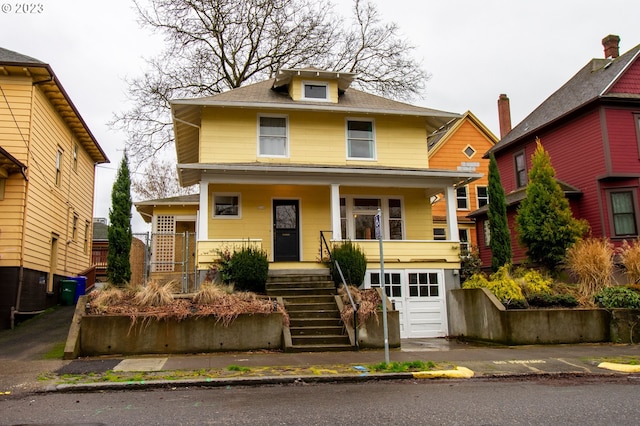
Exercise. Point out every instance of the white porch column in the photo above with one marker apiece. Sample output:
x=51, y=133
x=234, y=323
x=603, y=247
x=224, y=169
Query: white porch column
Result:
x=203, y=212
x=335, y=212
x=452, y=219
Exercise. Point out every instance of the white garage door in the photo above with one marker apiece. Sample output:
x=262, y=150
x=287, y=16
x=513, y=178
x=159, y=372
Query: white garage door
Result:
x=419, y=297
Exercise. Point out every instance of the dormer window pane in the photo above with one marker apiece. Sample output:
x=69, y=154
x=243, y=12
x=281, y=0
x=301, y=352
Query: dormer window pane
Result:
x=315, y=91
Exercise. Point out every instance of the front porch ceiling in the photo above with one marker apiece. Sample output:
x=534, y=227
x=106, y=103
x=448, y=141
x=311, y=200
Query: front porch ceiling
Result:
x=270, y=174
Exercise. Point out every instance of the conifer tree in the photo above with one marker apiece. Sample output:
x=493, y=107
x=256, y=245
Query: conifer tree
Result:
x=545, y=222
x=500, y=237
x=119, y=231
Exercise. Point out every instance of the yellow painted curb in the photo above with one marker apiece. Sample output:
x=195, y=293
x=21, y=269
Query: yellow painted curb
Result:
x=625, y=368
x=457, y=373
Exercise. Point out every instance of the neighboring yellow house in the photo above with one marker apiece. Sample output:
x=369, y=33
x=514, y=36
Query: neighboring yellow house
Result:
x=47, y=165
x=460, y=146
x=286, y=160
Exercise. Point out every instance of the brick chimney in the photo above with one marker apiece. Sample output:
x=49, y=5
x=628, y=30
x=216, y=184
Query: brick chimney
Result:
x=611, y=46
x=504, y=115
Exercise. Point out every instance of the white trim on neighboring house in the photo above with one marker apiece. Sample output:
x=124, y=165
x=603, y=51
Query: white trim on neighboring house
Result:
x=452, y=219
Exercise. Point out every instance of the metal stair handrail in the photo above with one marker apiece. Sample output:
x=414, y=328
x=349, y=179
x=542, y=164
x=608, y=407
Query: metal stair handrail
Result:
x=344, y=283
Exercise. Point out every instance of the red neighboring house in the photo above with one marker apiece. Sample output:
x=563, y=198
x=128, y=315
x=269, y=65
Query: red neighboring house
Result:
x=591, y=129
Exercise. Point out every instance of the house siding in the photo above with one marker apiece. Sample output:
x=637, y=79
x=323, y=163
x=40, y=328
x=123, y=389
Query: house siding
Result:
x=400, y=142
x=623, y=141
x=630, y=81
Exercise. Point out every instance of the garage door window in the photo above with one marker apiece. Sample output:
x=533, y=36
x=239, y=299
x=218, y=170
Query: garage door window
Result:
x=423, y=284
x=392, y=283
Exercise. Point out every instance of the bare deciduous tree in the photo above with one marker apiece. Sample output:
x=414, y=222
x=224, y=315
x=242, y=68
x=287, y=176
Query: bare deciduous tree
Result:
x=159, y=180
x=217, y=45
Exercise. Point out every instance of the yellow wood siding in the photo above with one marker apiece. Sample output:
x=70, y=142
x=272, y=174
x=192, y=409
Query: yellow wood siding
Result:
x=15, y=116
x=51, y=208
x=231, y=136
x=295, y=88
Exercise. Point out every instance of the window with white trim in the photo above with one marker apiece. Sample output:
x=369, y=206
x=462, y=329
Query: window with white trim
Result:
x=226, y=205
x=424, y=284
x=360, y=140
x=462, y=197
x=59, y=167
x=273, y=137
x=357, y=216
x=392, y=283
x=463, y=234
x=521, y=169
x=624, y=213
x=482, y=195
x=439, y=234
x=315, y=91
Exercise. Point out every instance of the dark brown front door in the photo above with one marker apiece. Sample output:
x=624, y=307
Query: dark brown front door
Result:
x=286, y=231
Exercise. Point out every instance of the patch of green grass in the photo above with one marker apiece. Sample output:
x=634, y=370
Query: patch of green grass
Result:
x=402, y=367
x=56, y=352
x=627, y=359
x=238, y=368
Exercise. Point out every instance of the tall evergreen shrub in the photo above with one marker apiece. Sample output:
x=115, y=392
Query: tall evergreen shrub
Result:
x=545, y=223
x=500, y=240
x=119, y=231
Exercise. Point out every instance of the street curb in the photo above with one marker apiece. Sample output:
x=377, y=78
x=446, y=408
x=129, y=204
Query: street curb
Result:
x=308, y=379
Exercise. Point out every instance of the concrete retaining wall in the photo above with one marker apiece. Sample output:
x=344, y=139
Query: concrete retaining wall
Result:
x=477, y=314
x=111, y=334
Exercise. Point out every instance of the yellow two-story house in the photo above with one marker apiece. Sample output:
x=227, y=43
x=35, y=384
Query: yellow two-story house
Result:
x=287, y=161
x=47, y=165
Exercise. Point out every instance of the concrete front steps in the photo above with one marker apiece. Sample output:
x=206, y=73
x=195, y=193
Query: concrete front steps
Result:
x=309, y=299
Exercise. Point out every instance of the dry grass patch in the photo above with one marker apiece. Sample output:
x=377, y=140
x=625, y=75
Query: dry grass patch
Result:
x=156, y=301
x=591, y=262
x=369, y=301
x=630, y=258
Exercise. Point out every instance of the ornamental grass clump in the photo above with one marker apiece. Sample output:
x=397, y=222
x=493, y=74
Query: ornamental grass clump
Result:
x=630, y=259
x=154, y=294
x=591, y=262
x=369, y=302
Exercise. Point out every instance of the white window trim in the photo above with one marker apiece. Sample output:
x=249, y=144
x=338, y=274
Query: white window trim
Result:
x=373, y=136
x=226, y=194
x=384, y=207
x=286, y=147
x=466, y=190
x=316, y=83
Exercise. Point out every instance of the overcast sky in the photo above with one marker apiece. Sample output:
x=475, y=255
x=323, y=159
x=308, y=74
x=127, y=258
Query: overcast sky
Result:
x=473, y=49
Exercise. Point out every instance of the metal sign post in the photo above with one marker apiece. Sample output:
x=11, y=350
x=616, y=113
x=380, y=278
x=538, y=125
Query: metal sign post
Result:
x=378, y=232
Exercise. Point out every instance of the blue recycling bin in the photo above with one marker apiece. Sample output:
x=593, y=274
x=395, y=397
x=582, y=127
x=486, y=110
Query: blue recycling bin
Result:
x=81, y=287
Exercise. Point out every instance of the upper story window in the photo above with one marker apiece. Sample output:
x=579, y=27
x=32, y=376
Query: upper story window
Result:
x=273, y=137
x=226, y=205
x=315, y=91
x=462, y=197
x=521, y=169
x=624, y=213
x=74, y=227
x=360, y=140
x=75, y=157
x=59, y=167
x=482, y=196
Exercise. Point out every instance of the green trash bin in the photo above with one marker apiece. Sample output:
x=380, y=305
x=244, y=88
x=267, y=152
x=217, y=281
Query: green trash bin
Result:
x=67, y=291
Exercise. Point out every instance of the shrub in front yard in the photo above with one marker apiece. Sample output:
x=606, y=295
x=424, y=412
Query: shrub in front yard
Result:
x=547, y=300
x=352, y=261
x=618, y=297
x=501, y=284
x=248, y=270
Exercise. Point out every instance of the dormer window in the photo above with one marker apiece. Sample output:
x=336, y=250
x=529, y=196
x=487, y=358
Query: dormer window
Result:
x=315, y=91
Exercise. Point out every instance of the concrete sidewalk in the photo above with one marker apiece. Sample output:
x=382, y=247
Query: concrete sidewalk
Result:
x=23, y=371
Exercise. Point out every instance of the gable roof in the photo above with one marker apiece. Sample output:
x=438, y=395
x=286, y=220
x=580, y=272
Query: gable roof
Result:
x=437, y=139
x=591, y=83
x=14, y=63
